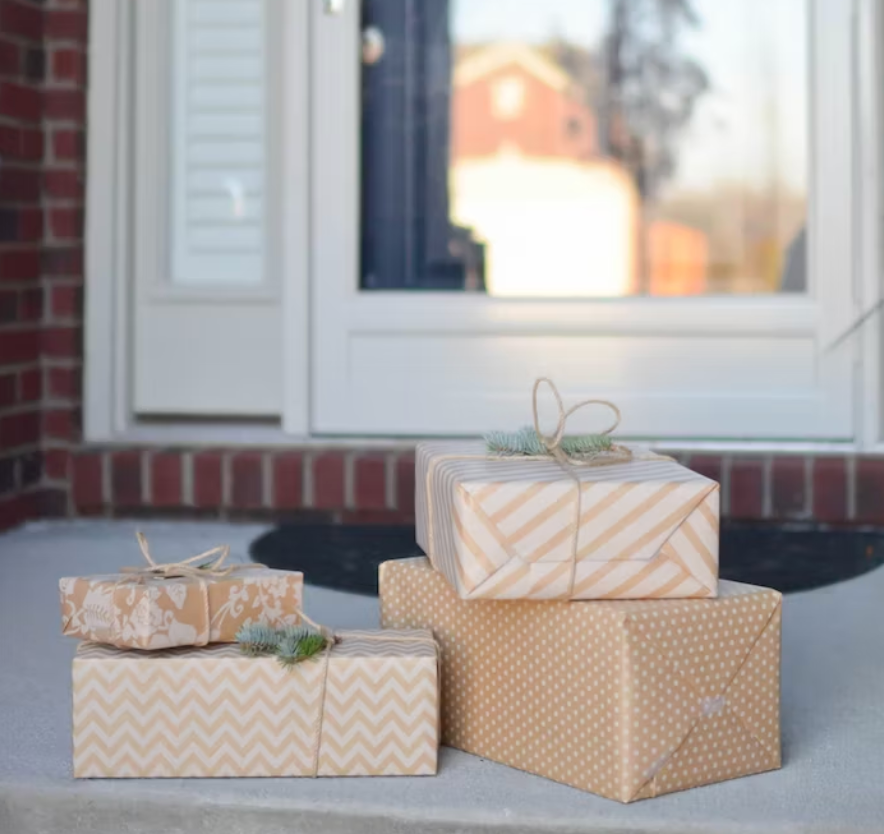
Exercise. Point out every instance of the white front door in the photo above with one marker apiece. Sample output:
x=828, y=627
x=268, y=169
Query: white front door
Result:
x=649, y=202
x=208, y=336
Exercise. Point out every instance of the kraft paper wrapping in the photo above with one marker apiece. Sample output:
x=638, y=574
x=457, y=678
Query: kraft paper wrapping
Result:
x=158, y=613
x=205, y=712
x=504, y=528
x=627, y=699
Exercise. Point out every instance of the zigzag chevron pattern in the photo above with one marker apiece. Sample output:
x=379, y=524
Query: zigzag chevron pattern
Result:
x=209, y=711
x=504, y=529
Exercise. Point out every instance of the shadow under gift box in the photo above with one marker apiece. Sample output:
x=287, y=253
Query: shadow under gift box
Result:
x=528, y=528
x=368, y=708
x=626, y=699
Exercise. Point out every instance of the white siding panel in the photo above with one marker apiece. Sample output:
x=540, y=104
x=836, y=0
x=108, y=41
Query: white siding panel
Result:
x=228, y=39
x=220, y=13
x=218, y=142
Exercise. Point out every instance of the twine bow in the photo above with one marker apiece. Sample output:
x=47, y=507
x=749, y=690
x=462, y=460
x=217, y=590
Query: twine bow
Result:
x=193, y=568
x=552, y=446
x=553, y=442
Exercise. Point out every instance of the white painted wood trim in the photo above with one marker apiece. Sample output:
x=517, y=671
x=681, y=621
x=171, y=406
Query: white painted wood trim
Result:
x=869, y=27
x=124, y=76
x=291, y=83
x=199, y=435
x=106, y=229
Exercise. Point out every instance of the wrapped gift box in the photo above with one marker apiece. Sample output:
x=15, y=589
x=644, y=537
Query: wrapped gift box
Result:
x=627, y=699
x=367, y=708
x=506, y=528
x=153, y=612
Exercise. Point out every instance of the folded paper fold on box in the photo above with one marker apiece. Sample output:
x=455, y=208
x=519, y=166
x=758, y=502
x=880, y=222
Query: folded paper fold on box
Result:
x=627, y=699
x=370, y=707
x=515, y=528
x=153, y=612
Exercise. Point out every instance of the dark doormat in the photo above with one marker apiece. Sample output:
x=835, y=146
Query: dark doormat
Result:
x=786, y=557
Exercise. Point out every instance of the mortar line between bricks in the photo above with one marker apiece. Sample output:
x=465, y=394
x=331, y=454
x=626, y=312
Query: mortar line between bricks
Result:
x=850, y=467
x=267, y=496
x=21, y=326
x=26, y=449
x=106, y=489
x=226, y=482
x=390, y=480
x=724, y=495
x=186, y=465
x=767, y=486
x=808, y=487
x=146, y=461
x=22, y=408
x=307, y=490
x=349, y=475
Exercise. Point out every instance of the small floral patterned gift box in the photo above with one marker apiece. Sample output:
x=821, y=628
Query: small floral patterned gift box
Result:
x=181, y=604
x=628, y=699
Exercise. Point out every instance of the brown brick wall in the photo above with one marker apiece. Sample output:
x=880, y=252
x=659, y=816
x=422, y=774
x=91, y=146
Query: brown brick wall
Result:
x=44, y=467
x=42, y=112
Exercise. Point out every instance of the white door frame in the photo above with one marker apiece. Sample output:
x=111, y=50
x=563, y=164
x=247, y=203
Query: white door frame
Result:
x=117, y=57
x=107, y=350
x=344, y=404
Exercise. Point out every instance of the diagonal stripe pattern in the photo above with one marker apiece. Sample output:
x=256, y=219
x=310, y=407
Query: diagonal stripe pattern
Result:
x=505, y=528
x=206, y=712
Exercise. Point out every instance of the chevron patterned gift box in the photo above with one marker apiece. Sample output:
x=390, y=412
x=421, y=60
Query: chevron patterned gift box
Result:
x=626, y=698
x=533, y=528
x=367, y=707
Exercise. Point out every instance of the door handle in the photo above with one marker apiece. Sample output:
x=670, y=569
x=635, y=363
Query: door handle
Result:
x=373, y=45
x=333, y=7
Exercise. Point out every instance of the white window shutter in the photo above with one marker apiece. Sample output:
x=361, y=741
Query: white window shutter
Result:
x=218, y=142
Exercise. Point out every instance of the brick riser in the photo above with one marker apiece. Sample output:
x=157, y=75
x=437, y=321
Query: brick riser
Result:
x=378, y=486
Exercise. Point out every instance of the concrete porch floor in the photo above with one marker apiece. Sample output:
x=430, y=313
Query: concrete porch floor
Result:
x=833, y=727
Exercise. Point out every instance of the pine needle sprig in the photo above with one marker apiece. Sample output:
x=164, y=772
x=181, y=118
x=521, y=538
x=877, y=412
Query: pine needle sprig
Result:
x=257, y=639
x=313, y=644
x=289, y=645
x=292, y=651
x=524, y=442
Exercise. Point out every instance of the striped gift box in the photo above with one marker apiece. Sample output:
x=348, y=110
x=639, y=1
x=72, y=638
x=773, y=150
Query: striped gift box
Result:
x=515, y=528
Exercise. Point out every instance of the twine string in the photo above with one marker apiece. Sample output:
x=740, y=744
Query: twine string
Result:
x=553, y=445
x=194, y=568
x=331, y=640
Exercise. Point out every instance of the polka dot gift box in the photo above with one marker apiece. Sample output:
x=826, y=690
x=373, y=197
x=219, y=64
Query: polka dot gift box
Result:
x=628, y=699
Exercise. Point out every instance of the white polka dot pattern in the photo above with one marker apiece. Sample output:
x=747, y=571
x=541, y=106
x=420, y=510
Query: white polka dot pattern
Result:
x=627, y=699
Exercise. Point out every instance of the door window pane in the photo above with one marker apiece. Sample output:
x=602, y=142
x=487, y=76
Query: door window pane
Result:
x=217, y=142
x=580, y=148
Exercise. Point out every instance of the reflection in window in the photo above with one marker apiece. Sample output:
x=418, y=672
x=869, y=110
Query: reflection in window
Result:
x=581, y=148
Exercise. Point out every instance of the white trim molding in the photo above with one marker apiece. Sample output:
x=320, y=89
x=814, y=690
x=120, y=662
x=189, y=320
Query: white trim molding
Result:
x=109, y=167
x=126, y=241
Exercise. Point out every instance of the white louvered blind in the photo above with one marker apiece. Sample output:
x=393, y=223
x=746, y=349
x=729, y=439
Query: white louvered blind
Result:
x=218, y=142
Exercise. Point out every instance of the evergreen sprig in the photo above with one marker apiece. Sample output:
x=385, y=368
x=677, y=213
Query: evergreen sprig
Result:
x=289, y=645
x=257, y=639
x=524, y=442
